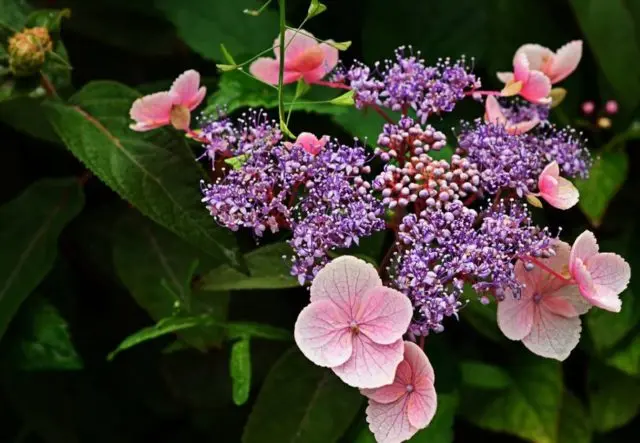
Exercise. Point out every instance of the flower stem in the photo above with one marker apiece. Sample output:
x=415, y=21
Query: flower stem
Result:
x=332, y=84
x=283, y=124
x=545, y=268
x=48, y=86
x=382, y=113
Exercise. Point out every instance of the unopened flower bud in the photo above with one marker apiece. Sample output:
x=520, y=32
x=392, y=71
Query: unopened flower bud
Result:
x=27, y=51
x=588, y=107
x=611, y=107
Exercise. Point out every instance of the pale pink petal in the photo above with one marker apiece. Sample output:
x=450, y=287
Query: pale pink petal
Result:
x=307, y=61
x=151, y=111
x=295, y=42
x=559, y=306
x=609, y=270
x=538, y=55
x=344, y=281
x=323, y=335
x=566, y=195
x=422, y=407
x=420, y=365
x=537, y=88
x=541, y=281
x=389, y=423
x=584, y=247
x=390, y=393
x=515, y=317
x=383, y=314
x=310, y=143
x=493, y=111
x=571, y=293
x=331, y=55
x=566, y=61
x=522, y=127
x=187, y=91
x=521, y=68
x=267, y=70
x=371, y=365
x=600, y=296
x=330, y=60
x=552, y=335
x=551, y=170
x=505, y=77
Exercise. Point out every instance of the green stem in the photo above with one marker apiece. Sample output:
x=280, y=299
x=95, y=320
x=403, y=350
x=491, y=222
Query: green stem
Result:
x=283, y=26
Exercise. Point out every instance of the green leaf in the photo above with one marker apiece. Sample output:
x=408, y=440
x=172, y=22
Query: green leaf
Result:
x=227, y=55
x=157, y=267
x=48, y=18
x=202, y=24
x=315, y=8
x=345, y=99
x=627, y=359
x=24, y=114
x=176, y=324
x=13, y=15
x=611, y=33
x=607, y=175
x=484, y=376
x=155, y=171
x=606, y=328
x=44, y=342
x=341, y=46
x=256, y=330
x=574, y=425
x=29, y=229
x=614, y=397
x=267, y=270
x=240, y=369
x=301, y=402
x=528, y=407
x=237, y=162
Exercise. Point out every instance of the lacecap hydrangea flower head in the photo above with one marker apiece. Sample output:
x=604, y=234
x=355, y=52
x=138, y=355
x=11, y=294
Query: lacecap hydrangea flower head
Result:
x=458, y=222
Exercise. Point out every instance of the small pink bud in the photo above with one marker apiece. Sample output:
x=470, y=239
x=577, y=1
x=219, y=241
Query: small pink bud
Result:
x=611, y=107
x=588, y=107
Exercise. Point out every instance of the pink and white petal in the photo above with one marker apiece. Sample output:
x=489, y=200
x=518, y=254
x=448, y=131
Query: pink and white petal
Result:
x=559, y=306
x=331, y=56
x=420, y=365
x=389, y=423
x=566, y=195
x=521, y=70
x=552, y=170
x=553, y=336
x=390, y=393
x=505, y=77
x=548, y=185
x=493, y=111
x=323, y=335
x=196, y=99
x=536, y=88
x=571, y=293
x=537, y=55
x=295, y=43
x=152, y=108
x=344, y=281
x=186, y=87
x=530, y=279
x=371, y=365
x=583, y=248
x=265, y=69
x=609, y=270
x=144, y=127
x=522, y=127
x=515, y=317
x=316, y=74
x=605, y=298
x=383, y=314
x=566, y=61
x=422, y=407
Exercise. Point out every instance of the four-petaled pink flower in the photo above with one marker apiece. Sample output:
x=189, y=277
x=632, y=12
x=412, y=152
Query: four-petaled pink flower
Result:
x=173, y=106
x=354, y=324
x=546, y=317
x=601, y=277
x=557, y=191
x=399, y=410
x=555, y=65
x=304, y=58
x=494, y=114
x=531, y=84
x=309, y=142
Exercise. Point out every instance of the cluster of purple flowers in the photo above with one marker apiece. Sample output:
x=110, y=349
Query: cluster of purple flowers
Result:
x=514, y=161
x=517, y=110
x=438, y=253
x=322, y=198
x=408, y=83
